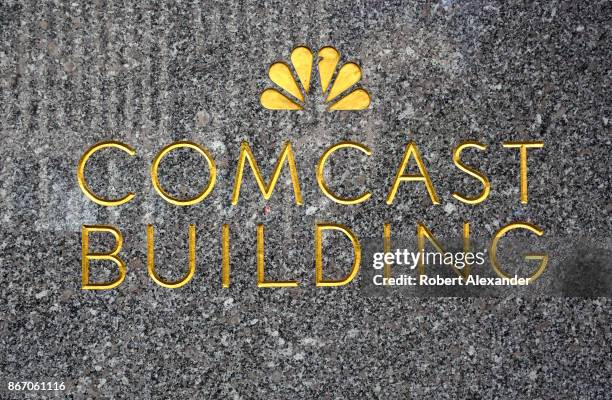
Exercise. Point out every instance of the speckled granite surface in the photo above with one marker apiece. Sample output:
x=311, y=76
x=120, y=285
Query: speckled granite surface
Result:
x=438, y=72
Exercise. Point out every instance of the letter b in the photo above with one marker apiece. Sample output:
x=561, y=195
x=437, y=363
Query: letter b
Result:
x=86, y=257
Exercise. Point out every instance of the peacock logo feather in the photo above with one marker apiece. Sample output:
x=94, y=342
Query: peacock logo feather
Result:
x=302, y=60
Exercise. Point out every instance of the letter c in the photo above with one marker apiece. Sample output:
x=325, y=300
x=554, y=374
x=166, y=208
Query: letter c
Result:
x=81, y=173
x=321, y=167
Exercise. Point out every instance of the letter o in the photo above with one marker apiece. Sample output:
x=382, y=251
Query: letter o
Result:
x=211, y=167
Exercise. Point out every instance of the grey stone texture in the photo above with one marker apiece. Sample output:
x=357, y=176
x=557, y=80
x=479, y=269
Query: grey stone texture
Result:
x=439, y=72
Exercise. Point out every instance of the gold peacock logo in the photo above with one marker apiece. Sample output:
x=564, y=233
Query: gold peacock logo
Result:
x=302, y=59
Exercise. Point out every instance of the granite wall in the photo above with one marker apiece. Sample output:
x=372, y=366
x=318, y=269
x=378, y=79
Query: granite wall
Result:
x=438, y=72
